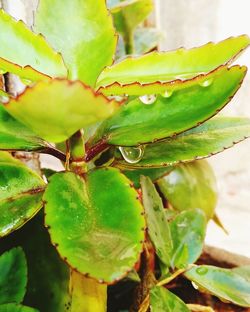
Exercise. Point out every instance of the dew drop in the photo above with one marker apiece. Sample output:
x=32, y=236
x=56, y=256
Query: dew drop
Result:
x=206, y=83
x=167, y=93
x=201, y=270
x=148, y=99
x=132, y=155
x=195, y=285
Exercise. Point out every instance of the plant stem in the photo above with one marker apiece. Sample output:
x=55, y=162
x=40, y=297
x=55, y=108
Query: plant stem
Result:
x=87, y=294
x=128, y=38
x=172, y=277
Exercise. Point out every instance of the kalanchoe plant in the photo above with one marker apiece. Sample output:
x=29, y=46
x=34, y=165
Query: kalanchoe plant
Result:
x=133, y=202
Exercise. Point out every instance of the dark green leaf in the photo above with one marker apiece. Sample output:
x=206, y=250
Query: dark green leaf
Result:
x=157, y=222
x=13, y=277
x=162, y=300
x=16, y=136
x=26, y=54
x=191, y=186
x=213, y=137
x=82, y=31
x=188, y=232
x=223, y=283
x=13, y=307
x=96, y=220
x=20, y=195
x=196, y=101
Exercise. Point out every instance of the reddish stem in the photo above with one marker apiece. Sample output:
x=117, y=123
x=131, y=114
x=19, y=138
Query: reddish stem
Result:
x=93, y=151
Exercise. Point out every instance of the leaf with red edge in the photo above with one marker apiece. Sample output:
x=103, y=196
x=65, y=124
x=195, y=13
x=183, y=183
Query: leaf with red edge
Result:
x=127, y=76
x=82, y=31
x=145, y=120
x=56, y=109
x=96, y=222
x=26, y=54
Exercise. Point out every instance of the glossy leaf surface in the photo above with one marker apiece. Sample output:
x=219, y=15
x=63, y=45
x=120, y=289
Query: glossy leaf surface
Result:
x=95, y=221
x=26, y=54
x=162, y=299
x=191, y=186
x=20, y=195
x=204, y=141
x=154, y=174
x=188, y=232
x=13, y=277
x=223, y=283
x=16, y=136
x=157, y=222
x=87, y=44
x=68, y=107
x=13, y=307
x=129, y=14
x=168, y=66
x=195, y=102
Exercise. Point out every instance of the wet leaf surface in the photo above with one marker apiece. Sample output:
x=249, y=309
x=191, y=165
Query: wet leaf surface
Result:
x=96, y=223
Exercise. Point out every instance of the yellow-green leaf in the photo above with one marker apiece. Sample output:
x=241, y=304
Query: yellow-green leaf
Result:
x=168, y=66
x=26, y=54
x=56, y=109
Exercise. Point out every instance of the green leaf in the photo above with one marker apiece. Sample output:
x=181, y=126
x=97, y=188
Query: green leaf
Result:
x=82, y=31
x=50, y=119
x=96, y=220
x=213, y=137
x=162, y=299
x=223, y=283
x=196, y=101
x=128, y=15
x=196, y=178
x=188, y=232
x=157, y=222
x=26, y=54
x=20, y=195
x=16, y=136
x=154, y=174
x=13, y=277
x=13, y=307
x=172, y=65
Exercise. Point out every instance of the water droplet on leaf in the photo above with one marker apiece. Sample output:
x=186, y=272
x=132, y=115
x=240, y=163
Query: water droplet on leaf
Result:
x=167, y=93
x=201, y=270
x=148, y=99
x=206, y=83
x=132, y=155
x=195, y=286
